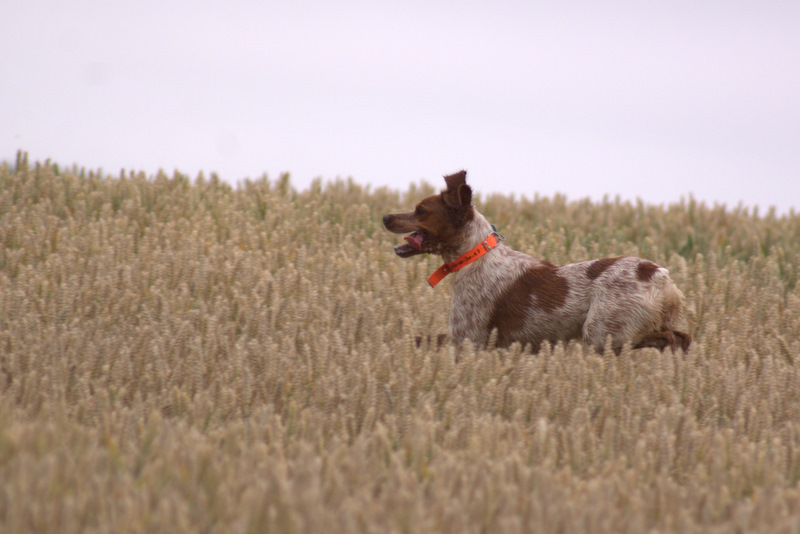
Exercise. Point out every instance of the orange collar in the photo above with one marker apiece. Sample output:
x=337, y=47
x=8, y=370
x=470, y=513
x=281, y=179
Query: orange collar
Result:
x=488, y=244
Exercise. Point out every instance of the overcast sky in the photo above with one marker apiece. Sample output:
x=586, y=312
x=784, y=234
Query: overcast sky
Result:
x=656, y=100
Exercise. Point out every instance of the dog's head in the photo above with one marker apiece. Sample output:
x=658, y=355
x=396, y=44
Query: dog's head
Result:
x=436, y=224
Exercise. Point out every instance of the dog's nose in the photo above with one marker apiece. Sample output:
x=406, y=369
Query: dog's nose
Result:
x=387, y=219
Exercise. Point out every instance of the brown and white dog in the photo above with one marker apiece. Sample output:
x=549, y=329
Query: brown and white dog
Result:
x=528, y=300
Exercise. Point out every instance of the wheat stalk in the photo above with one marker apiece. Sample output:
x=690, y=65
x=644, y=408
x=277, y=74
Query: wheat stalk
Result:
x=183, y=355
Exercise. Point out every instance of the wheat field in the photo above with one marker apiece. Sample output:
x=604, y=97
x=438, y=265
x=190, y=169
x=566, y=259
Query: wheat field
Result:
x=181, y=355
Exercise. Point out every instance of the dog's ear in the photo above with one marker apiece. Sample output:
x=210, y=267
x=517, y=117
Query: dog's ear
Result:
x=455, y=180
x=458, y=193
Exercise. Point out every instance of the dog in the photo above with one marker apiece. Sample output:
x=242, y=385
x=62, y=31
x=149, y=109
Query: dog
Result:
x=531, y=301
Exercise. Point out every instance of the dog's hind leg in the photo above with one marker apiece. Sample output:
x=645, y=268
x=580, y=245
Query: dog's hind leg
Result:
x=683, y=339
x=665, y=339
x=656, y=340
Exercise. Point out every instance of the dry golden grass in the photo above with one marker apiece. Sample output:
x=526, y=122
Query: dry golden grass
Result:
x=184, y=356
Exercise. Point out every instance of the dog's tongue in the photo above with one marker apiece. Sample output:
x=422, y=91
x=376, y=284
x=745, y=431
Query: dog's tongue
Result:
x=415, y=240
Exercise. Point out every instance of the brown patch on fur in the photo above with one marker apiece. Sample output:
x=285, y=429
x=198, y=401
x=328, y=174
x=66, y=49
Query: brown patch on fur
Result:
x=510, y=312
x=599, y=266
x=645, y=270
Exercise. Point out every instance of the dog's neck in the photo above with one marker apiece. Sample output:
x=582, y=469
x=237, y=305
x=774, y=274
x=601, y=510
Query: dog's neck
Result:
x=475, y=231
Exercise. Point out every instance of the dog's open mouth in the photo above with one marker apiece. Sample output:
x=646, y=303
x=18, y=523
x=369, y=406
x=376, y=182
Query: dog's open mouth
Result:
x=413, y=245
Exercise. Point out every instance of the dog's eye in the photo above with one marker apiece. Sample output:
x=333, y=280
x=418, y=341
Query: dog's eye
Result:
x=420, y=211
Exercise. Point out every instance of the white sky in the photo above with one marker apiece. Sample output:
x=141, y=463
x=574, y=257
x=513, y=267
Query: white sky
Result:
x=654, y=100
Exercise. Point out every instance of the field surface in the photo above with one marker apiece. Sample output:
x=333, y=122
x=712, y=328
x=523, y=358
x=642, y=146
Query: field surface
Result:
x=180, y=355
